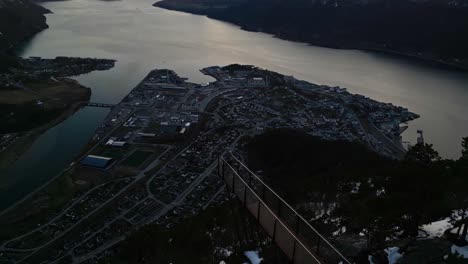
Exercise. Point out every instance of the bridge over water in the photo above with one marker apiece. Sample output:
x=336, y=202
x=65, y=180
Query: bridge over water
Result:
x=100, y=105
x=294, y=235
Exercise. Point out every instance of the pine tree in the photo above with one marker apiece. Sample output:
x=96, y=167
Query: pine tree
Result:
x=465, y=148
x=422, y=153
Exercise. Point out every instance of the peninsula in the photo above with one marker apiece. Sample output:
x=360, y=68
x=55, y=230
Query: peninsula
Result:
x=153, y=160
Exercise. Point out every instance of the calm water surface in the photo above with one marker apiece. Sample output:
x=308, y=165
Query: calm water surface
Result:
x=142, y=37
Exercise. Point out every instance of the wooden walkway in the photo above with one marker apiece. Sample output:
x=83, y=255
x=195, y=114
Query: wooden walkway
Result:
x=301, y=243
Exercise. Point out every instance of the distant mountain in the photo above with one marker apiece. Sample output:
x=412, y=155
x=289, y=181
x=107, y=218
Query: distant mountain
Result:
x=19, y=19
x=435, y=30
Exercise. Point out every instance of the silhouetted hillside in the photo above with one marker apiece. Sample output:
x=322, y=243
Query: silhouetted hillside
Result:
x=434, y=29
x=363, y=190
x=18, y=21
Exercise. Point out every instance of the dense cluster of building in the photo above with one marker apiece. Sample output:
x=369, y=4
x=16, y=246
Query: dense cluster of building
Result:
x=159, y=149
x=330, y=113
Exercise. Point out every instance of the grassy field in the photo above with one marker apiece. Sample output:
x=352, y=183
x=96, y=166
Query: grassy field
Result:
x=111, y=152
x=38, y=103
x=16, y=96
x=52, y=92
x=137, y=158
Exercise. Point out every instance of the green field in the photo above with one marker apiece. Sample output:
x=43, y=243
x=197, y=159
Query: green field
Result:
x=111, y=152
x=137, y=158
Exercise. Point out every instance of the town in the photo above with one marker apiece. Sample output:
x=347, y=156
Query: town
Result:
x=153, y=160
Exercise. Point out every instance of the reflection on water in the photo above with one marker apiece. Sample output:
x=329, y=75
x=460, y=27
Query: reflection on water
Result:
x=142, y=37
x=50, y=153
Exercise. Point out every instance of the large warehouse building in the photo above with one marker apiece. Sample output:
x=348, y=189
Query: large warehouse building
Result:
x=96, y=161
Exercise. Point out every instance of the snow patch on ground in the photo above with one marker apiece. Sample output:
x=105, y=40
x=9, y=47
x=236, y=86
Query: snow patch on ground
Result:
x=253, y=257
x=355, y=188
x=370, y=259
x=380, y=192
x=462, y=251
x=225, y=252
x=363, y=232
x=393, y=254
x=340, y=231
x=437, y=228
x=318, y=209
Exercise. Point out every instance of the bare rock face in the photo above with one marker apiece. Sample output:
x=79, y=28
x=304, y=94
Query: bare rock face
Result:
x=19, y=19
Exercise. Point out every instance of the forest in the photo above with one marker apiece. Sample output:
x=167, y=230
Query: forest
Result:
x=344, y=186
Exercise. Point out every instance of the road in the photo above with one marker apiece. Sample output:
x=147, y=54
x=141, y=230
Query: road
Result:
x=59, y=174
x=141, y=175
x=168, y=207
x=77, y=200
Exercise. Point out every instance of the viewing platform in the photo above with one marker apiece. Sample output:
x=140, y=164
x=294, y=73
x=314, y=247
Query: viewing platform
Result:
x=294, y=235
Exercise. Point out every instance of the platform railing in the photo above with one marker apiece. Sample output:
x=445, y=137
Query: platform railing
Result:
x=294, y=235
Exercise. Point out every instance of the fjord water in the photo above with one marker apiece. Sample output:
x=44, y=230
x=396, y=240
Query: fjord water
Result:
x=142, y=37
x=49, y=155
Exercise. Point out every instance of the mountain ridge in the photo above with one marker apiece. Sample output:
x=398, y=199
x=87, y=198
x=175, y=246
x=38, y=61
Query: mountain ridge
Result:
x=19, y=20
x=433, y=30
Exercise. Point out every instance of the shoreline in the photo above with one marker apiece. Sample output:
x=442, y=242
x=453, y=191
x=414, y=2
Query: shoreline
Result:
x=270, y=99
x=36, y=134
x=75, y=107
x=32, y=135
x=29, y=10
x=461, y=66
